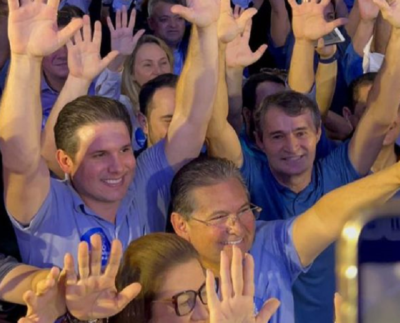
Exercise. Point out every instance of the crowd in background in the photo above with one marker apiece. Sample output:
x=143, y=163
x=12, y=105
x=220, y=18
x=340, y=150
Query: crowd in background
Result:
x=250, y=131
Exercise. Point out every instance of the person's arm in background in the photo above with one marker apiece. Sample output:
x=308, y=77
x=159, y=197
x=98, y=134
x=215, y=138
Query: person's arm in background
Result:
x=124, y=42
x=383, y=99
x=337, y=127
x=84, y=63
x=32, y=36
x=354, y=19
x=325, y=78
x=368, y=14
x=222, y=140
x=321, y=225
x=280, y=22
x=381, y=35
x=308, y=26
x=197, y=83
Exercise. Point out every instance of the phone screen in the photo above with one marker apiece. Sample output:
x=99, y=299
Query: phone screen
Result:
x=379, y=271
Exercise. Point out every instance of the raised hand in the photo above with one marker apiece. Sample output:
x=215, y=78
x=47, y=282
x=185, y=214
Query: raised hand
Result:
x=238, y=52
x=93, y=295
x=84, y=60
x=368, y=9
x=390, y=12
x=231, y=24
x=201, y=13
x=237, y=290
x=47, y=303
x=325, y=51
x=32, y=28
x=308, y=20
x=122, y=38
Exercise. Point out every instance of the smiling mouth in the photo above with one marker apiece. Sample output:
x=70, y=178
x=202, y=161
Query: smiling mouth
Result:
x=293, y=158
x=113, y=181
x=233, y=243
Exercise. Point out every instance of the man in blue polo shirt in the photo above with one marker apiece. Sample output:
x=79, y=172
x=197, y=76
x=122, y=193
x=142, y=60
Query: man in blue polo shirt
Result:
x=287, y=130
x=93, y=138
x=211, y=209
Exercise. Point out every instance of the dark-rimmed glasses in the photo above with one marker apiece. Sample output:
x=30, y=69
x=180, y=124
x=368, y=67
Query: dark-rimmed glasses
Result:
x=185, y=302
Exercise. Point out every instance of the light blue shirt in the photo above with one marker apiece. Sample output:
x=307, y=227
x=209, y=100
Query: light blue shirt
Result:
x=64, y=220
x=277, y=265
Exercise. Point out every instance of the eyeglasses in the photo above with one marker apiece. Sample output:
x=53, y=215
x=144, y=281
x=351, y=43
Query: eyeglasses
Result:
x=185, y=302
x=221, y=220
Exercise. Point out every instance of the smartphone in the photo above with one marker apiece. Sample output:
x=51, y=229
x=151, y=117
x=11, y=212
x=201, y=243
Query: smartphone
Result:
x=368, y=266
x=333, y=37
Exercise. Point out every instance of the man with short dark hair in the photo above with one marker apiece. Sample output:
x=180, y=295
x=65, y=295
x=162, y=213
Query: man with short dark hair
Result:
x=157, y=106
x=101, y=194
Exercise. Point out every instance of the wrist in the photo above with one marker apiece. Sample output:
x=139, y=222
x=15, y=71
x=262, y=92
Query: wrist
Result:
x=328, y=59
x=78, y=83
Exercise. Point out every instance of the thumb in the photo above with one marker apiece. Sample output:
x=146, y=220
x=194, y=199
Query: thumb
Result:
x=269, y=308
x=128, y=294
x=245, y=17
x=183, y=11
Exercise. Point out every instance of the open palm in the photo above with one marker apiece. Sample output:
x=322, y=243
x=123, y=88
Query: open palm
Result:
x=93, y=295
x=84, y=59
x=201, y=13
x=309, y=22
x=33, y=29
x=390, y=12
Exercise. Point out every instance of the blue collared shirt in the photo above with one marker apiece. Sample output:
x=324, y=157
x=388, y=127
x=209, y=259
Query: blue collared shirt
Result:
x=64, y=220
x=313, y=292
x=277, y=265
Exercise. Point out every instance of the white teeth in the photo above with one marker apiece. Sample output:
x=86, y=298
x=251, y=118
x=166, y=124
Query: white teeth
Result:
x=113, y=181
x=232, y=243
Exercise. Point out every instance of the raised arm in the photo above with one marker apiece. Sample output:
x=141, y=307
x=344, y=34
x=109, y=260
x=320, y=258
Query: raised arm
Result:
x=197, y=84
x=383, y=99
x=317, y=228
x=33, y=34
x=222, y=139
x=280, y=22
x=308, y=26
x=84, y=63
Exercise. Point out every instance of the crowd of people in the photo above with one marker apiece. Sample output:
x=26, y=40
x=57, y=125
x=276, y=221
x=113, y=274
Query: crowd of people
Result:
x=190, y=161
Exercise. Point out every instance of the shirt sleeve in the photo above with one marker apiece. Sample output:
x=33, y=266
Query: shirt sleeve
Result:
x=352, y=64
x=6, y=265
x=108, y=84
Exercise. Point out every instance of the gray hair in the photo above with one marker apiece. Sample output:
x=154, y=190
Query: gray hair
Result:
x=201, y=172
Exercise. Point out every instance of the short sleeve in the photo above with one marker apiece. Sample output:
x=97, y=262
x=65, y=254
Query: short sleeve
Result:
x=6, y=265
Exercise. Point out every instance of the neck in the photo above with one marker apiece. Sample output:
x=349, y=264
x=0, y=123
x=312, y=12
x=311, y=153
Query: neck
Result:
x=56, y=83
x=105, y=210
x=386, y=158
x=214, y=267
x=296, y=183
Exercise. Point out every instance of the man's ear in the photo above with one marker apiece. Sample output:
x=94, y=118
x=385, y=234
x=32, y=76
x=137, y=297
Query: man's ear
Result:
x=347, y=114
x=180, y=225
x=64, y=161
x=150, y=23
x=143, y=123
x=259, y=139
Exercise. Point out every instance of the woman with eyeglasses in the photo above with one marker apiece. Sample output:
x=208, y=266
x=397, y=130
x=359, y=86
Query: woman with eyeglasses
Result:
x=177, y=289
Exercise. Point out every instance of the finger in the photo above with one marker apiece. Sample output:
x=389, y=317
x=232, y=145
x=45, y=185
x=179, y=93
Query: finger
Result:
x=97, y=36
x=30, y=300
x=87, y=32
x=114, y=260
x=132, y=19
x=53, y=3
x=137, y=36
x=69, y=270
x=245, y=17
x=95, y=255
x=338, y=305
x=259, y=53
x=110, y=24
x=320, y=43
x=247, y=30
x=124, y=17
x=269, y=308
x=127, y=295
x=46, y=284
x=70, y=46
x=293, y=4
x=382, y=4
x=118, y=20
x=248, y=288
x=83, y=260
x=237, y=271
x=184, y=12
x=226, y=6
x=225, y=274
x=213, y=301
x=67, y=32
x=108, y=59
x=13, y=5
x=336, y=23
x=236, y=12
